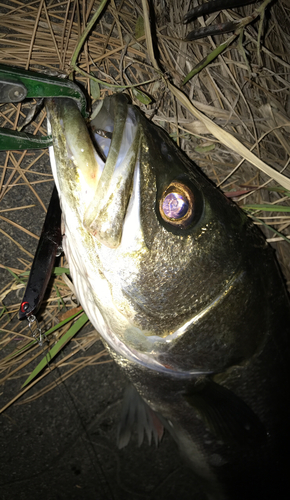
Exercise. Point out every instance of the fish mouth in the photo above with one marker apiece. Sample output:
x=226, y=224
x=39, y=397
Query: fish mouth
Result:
x=101, y=178
x=117, y=134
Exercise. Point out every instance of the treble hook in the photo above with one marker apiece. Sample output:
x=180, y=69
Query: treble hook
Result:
x=35, y=329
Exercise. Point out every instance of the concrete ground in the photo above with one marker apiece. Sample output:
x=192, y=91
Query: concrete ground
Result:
x=63, y=446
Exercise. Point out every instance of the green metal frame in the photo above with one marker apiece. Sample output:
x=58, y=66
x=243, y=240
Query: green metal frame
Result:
x=17, y=84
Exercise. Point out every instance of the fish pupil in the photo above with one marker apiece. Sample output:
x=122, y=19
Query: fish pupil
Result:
x=175, y=206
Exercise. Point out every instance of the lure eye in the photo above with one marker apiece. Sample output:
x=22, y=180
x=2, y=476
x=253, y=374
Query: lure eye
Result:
x=24, y=307
x=177, y=205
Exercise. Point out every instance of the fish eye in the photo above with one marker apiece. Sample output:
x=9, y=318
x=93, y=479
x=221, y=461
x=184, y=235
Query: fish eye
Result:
x=176, y=205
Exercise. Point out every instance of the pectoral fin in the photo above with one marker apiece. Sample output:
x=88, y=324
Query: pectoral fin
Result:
x=136, y=412
x=225, y=414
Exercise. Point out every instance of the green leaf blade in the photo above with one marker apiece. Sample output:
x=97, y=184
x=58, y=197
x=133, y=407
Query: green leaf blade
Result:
x=57, y=347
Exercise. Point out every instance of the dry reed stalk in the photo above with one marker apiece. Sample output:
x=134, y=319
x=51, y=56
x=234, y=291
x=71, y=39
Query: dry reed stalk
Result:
x=243, y=94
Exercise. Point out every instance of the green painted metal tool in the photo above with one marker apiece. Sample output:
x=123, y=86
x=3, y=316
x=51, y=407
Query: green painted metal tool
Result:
x=17, y=84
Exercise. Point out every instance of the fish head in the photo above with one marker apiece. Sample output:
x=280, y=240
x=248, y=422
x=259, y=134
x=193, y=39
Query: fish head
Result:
x=155, y=250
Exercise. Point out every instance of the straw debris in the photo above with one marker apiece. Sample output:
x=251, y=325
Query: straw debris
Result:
x=231, y=118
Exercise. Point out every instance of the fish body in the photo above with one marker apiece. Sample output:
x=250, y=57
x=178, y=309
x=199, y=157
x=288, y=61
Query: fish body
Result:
x=184, y=291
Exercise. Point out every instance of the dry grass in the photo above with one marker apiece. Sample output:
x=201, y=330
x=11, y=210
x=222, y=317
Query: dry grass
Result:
x=244, y=91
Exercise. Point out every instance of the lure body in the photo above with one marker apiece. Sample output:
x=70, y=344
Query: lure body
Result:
x=43, y=262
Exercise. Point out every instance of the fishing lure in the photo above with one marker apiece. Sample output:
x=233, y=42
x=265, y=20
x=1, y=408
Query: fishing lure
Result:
x=48, y=248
